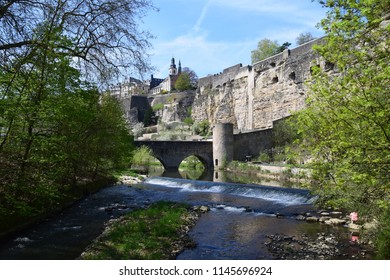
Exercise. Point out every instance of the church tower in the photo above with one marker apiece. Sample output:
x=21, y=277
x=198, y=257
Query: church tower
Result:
x=179, y=69
x=172, y=68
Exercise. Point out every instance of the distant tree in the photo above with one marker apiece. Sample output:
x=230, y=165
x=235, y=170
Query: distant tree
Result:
x=150, y=117
x=202, y=128
x=304, y=38
x=193, y=77
x=183, y=82
x=265, y=48
x=284, y=46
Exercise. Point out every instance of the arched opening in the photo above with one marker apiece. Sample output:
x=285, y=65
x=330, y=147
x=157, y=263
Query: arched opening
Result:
x=193, y=167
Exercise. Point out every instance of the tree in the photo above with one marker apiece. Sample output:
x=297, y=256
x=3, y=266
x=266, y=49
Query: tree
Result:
x=104, y=33
x=347, y=122
x=304, y=38
x=202, y=128
x=58, y=131
x=150, y=117
x=183, y=82
x=143, y=158
x=193, y=76
x=265, y=48
x=284, y=46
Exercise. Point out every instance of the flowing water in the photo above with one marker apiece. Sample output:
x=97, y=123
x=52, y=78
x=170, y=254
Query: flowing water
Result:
x=236, y=227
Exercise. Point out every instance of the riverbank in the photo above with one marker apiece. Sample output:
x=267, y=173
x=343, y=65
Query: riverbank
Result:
x=288, y=175
x=13, y=223
x=159, y=232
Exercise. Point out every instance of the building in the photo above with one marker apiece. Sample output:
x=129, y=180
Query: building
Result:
x=153, y=86
x=164, y=85
x=129, y=87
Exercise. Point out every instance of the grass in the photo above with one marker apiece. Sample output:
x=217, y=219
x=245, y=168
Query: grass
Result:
x=155, y=233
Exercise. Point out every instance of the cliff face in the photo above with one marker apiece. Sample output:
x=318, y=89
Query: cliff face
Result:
x=175, y=107
x=252, y=97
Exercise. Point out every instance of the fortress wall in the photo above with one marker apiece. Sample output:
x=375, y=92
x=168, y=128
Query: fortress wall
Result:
x=253, y=96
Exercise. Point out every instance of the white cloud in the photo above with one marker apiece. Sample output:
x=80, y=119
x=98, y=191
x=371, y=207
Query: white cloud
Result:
x=259, y=6
x=206, y=55
x=202, y=16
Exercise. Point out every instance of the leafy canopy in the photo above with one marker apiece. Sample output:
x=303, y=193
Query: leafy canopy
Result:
x=267, y=48
x=346, y=124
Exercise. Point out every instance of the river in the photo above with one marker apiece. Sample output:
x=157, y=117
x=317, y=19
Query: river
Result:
x=241, y=218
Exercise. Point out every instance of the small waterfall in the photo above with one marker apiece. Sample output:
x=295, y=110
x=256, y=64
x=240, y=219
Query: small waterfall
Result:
x=280, y=195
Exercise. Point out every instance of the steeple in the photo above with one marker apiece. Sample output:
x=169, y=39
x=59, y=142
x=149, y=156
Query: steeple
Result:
x=172, y=68
x=173, y=65
x=179, y=70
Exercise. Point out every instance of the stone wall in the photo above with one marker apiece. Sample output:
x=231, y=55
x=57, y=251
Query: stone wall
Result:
x=176, y=105
x=252, y=143
x=253, y=96
x=134, y=107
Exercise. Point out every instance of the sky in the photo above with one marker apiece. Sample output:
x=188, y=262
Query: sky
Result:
x=208, y=36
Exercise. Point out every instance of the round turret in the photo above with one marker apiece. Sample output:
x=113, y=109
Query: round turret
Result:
x=223, y=144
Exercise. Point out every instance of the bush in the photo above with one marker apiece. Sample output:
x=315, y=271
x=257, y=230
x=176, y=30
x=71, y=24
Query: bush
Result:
x=143, y=157
x=264, y=157
x=202, y=128
x=157, y=107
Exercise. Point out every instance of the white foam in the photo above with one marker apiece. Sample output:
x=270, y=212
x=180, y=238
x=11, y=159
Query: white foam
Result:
x=278, y=195
x=23, y=239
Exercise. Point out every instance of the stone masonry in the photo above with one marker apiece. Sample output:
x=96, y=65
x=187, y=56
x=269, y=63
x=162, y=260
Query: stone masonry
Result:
x=254, y=96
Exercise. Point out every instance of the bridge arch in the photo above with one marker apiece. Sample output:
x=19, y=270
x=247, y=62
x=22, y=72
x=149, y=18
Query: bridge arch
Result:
x=224, y=148
x=200, y=158
x=172, y=153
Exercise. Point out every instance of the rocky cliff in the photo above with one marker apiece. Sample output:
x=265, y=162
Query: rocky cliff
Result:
x=252, y=97
x=173, y=107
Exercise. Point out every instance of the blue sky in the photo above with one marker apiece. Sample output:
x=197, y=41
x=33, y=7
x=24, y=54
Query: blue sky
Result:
x=210, y=35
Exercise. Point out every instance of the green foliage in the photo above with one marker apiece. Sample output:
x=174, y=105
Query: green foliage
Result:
x=58, y=131
x=143, y=157
x=264, y=157
x=150, y=117
x=383, y=238
x=284, y=132
x=183, y=82
x=188, y=121
x=192, y=167
x=304, y=38
x=346, y=125
x=192, y=162
x=284, y=46
x=202, y=128
x=157, y=107
x=265, y=48
x=147, y=234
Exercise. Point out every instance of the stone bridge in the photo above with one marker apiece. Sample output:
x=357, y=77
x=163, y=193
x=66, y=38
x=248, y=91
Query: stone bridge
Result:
x=224, y=147
x=172, y=153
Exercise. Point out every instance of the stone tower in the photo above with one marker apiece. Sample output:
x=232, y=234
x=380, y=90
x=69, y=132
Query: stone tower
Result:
x=172, y=68
x=223, y=144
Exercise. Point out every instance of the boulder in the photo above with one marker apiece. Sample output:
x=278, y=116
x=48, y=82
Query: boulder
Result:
x=335, y=221
x=312, y=219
